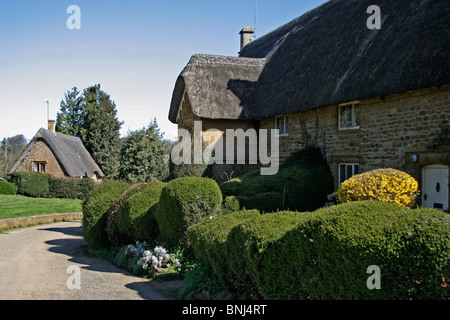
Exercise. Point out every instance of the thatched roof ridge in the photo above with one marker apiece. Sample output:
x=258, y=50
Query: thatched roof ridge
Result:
x=329, y=56
x=218, y=87
x=70, y=152
x=266, y=45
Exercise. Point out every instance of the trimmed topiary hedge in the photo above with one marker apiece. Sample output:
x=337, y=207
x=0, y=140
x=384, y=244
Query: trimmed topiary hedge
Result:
x=302, y=183
x=95, y=208
x=41, y=185
x=8, y=188
x=326, y=254
x=136, y=218
x=208, y=239
x=184, y=202
x=248, y=241
x=31, y=184
x=330, y=253
x=67, y=188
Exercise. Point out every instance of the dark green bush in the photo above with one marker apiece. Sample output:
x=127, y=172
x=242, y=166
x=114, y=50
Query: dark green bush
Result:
x=208, y=239
x=8, y=188
x=302, y=183
x=230, y=204
x=117, y=238
x=70, y=188
x=31, y=184
x=135, y=217
x=184, y=202
x=95, y=208
x=247, y=242
x=264, y=202
x=327, y=254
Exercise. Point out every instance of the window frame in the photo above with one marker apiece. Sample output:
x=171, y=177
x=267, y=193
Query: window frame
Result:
x=353, y=164
x=352, y=104
x=285, y=125
x=37, y=166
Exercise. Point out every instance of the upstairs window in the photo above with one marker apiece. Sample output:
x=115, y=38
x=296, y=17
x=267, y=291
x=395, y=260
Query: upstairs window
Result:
x=38, y=166
x=349, y=116
x=282, y=124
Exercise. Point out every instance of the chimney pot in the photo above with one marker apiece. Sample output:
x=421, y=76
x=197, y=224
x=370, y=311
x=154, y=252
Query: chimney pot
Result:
x=246, y=36
x=51, y=126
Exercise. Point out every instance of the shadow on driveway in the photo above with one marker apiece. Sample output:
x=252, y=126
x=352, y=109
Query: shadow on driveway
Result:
x=76, y=249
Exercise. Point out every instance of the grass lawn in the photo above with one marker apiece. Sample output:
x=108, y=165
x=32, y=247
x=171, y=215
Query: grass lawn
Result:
x=20, y=206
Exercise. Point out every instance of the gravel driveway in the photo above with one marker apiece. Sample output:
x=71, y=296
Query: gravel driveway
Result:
x=34, y=264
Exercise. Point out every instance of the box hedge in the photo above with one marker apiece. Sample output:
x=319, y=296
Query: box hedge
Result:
x=302, y=183
x=136, y=217
x=31, y=184
x=248, y=241
x=184, y=202
x=117, y=238
x=208, y=239
x=68, y=188
x=8, y=188
x=95, y=208
x=325, y=254
x=41, y=185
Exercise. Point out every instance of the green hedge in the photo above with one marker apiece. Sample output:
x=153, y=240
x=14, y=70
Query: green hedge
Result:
x=117, y=238
x=136, y=218
x=70, y=188
x=40, y=185
x=94, y=212
x=247, y=242
x=31, y=184
x=208, y=239
x=8, y=188
x=184, y=202
x=325, y=254
x=302, y=183
x=330, y=253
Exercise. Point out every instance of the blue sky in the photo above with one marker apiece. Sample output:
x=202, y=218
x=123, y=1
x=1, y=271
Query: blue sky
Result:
x=135, y=49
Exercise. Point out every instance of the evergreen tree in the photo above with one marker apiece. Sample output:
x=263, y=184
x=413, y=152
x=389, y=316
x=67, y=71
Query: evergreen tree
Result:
x=142, y=155
x=100, y=129
x=71, y=116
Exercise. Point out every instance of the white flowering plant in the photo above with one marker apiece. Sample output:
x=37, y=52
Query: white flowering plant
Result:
x=141, y=259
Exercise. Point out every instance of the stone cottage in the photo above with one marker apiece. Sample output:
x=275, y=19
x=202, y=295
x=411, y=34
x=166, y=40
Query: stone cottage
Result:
x=370, y=98
x=57, y=154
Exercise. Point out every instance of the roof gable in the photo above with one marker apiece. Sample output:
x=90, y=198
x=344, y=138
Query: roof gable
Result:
x=218, y=87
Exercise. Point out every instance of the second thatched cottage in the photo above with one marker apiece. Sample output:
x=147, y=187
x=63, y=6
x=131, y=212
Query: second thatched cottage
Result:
x=57, y=154
x=370, y=98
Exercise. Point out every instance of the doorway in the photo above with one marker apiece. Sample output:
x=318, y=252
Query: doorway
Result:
x=435, y=186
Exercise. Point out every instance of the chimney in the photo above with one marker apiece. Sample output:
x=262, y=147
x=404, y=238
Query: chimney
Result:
x=246, y=36
x=51, y=126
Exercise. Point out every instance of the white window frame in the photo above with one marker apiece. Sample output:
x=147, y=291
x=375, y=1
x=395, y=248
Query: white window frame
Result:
x=286, y=125
x=353, y=171
x=353, y=104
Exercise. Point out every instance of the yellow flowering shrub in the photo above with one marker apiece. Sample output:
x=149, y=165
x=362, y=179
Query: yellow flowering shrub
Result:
x=387, y=185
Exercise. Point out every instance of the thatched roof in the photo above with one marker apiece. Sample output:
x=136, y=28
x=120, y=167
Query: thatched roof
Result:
x=70, y=152
x=329, y=56
x=218, y=87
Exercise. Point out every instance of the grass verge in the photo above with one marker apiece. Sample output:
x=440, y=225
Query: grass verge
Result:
x=20, y=206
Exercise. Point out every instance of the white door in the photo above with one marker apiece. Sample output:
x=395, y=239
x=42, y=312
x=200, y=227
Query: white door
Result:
x=435, y=187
